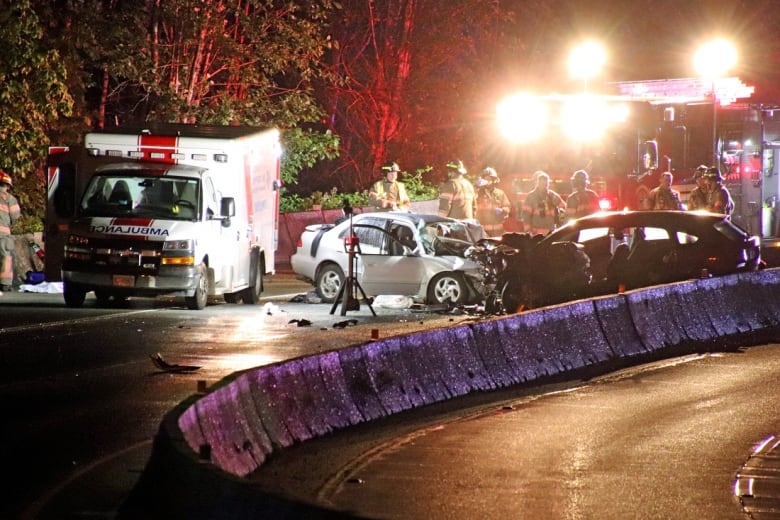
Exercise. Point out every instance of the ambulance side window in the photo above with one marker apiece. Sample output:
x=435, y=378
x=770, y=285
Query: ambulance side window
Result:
x=210, y=196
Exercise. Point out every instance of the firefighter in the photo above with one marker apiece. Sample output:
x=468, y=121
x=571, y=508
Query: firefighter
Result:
x=718, y=197
x=389, y=194
x=663, y=196
x=9, y=213
x=697, y=198
x=543, y=209
x=457, y=197
x=493, y=205
x=582, y=200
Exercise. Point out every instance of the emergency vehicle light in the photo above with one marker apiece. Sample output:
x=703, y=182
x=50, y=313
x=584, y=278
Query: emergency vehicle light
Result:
x=156, y=155
x=178, y=260
x=135, y=155
x=199, y=157
x=113, y=153
x=178, y=156
x=93, y=152
x=220, y=157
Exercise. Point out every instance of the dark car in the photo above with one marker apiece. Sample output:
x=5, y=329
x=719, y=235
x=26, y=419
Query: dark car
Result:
x=605, y=251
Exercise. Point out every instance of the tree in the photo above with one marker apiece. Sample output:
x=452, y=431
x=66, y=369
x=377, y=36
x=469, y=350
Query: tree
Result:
x=33, y=93
x=405, y=88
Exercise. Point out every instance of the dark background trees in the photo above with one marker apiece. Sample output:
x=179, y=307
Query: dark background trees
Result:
x=351, y=84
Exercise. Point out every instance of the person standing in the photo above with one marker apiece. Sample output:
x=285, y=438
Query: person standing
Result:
x=582, y=200
x=542, y=208
x=718, y=197
x=9, y=213
x=493, y=205
x=697, y=198
x=456, y=195
x=389, y=194
x=663, y=196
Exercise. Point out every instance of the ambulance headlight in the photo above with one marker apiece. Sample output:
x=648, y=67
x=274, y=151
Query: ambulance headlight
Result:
x=178, y=252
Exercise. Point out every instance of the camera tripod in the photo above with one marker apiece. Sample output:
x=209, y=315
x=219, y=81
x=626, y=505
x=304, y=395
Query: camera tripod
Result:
x=348, y=291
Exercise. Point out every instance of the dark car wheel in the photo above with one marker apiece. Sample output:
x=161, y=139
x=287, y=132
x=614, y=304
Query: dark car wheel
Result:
x=447, y=288
x=330, y=277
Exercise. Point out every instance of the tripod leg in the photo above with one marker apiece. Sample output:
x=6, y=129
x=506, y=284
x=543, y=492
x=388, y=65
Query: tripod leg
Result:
x=339, y=298
x=362, y=292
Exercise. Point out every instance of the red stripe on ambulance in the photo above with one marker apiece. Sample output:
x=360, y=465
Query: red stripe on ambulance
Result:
x=160, y=145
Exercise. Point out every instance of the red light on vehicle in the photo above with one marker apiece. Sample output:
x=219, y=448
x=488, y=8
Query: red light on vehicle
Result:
x=605, y=204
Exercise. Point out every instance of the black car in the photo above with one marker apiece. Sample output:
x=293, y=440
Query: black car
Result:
x=605, y=251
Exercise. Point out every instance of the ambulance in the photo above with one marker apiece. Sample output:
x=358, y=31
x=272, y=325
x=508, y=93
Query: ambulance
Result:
x=181, y=210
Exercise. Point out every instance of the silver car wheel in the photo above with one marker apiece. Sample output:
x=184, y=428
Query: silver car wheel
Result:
x=447, y=288
x=329, y=282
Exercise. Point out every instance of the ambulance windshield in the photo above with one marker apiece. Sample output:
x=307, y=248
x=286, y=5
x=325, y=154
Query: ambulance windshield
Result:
x=114, y=195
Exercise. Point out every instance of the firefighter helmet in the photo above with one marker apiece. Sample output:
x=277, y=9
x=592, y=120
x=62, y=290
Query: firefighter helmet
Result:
x=490, y=174
x=5, y=178
x=456, y=166
x=700, y=171
x=714, y=174
x=391, y=167
x=580, y=178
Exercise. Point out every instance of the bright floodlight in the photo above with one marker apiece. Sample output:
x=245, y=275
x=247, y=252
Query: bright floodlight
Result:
x=715, y=58
x=522, y=117
x=587, y=59
x=585, y=117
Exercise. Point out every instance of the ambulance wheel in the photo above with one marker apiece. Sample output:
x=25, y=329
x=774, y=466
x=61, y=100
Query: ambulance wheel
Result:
x=251, y=295
x=74, y=294
x=330, y=277
x=197, y=301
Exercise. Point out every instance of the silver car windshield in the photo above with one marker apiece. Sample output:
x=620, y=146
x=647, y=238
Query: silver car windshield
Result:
x=175, y=198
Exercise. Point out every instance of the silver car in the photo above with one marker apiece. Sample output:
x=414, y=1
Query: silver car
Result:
x=396, y=253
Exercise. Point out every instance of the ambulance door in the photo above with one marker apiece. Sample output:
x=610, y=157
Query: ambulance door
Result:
x=62, y=197
x=219, y=238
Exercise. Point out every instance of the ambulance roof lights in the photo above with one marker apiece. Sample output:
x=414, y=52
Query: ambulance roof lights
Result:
x=199, y=157
x=157, y=155
x=135, y=154
x=93, y=152
x=113, y=153
x=220, y=157
x=178, y=156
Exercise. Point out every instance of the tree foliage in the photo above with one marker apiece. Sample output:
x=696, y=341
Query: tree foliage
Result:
x=33, y=94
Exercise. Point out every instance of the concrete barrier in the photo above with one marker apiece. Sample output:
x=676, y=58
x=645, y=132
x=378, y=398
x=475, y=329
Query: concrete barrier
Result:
x=272, y=407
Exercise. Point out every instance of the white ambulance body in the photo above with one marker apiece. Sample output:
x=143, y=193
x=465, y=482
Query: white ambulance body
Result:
x=169, y=209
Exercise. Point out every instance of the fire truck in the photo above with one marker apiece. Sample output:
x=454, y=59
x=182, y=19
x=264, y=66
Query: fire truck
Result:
x=681, y=128
x=671, y=125
x=164, y=210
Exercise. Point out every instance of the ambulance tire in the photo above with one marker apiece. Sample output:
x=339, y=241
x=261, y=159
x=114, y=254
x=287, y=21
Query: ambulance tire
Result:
x=198, y=300
x=74, y=294
x=231, y=297
x=251, y=295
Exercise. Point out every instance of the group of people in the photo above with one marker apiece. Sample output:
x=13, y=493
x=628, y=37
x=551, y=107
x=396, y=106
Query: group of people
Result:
x=458, y=197
x=709, y=194
x=543, y=209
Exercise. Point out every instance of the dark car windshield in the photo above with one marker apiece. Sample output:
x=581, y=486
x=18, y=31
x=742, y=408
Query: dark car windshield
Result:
x=730, y=230
x=119, y=194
